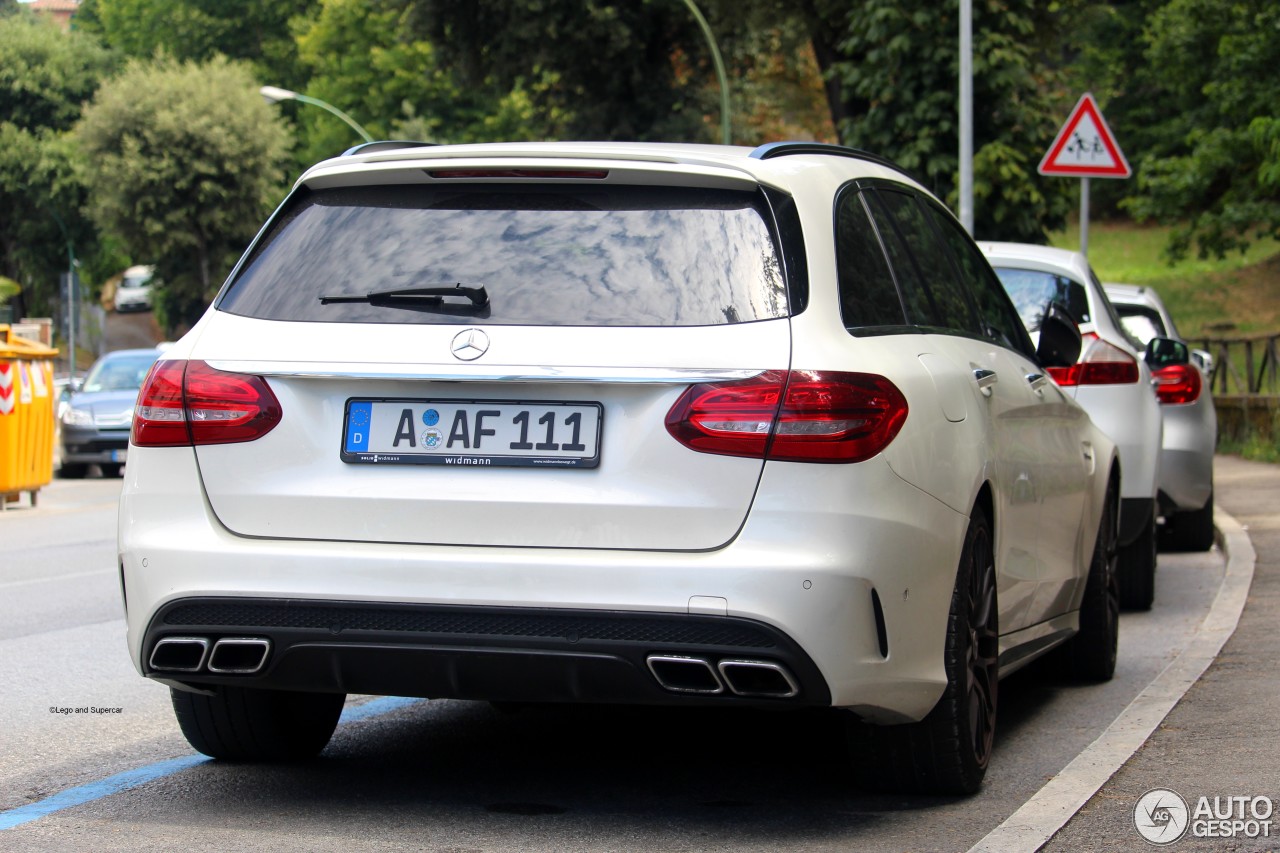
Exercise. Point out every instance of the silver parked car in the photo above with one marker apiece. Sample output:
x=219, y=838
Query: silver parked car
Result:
x=1190, y=424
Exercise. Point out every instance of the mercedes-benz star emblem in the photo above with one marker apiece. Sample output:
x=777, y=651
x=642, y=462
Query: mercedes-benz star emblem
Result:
x=469, y=344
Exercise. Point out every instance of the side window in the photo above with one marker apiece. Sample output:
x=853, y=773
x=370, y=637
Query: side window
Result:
x=1002, y=321
x=868, y=295
x=933, y=294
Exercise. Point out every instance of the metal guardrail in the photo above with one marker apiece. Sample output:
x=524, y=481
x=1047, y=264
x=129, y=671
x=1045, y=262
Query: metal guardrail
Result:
x=1244, y=364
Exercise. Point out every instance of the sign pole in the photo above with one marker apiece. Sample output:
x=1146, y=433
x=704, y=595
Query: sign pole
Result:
x=1085, y=148
x=1084, y=217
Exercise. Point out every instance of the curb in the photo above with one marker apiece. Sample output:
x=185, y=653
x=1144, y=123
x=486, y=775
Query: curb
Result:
x=1048, y=810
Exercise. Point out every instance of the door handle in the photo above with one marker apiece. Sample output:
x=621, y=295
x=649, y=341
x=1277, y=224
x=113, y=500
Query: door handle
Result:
x=1037, y=380
x=985, y=379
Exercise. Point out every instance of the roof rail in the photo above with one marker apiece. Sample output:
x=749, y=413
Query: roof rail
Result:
x=781, y=149
x=384, y=145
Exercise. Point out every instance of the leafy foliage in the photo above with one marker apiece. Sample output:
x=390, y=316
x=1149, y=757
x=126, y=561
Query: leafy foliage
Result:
x=892, y=67
x=1222, y=182
x=185, y=163
x=258, y=31
x=365, y=60
x=45, y=75
x=591, y=69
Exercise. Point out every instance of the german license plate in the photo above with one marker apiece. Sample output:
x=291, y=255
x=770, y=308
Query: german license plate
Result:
x=472, y=433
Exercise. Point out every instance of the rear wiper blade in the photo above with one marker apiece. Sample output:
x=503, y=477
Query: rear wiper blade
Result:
x=415, y=296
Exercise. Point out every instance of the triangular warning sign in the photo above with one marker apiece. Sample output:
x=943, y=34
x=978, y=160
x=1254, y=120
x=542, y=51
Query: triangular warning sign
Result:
x=1085, y=148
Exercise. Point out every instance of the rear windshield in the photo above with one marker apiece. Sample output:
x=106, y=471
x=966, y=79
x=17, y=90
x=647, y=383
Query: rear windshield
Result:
x=545, y=255
x=1141, y=322
x=1031, y=291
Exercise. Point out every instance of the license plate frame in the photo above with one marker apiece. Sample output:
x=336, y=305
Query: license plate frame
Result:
x=429, y=431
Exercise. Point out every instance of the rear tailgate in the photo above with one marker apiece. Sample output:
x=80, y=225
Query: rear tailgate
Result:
x=643, y=490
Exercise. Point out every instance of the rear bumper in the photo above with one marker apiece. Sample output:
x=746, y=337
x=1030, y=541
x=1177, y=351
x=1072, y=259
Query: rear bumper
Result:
x=83, y=447
x=1186, y=458
x=848, y=574
x=464, y=652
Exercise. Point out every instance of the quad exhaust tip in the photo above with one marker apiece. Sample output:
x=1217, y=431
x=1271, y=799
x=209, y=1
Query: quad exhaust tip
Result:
x=747, y=678
x=180, y=654
x=681, y=674
x=227, y=656
x=758, y=678
x=239, y=655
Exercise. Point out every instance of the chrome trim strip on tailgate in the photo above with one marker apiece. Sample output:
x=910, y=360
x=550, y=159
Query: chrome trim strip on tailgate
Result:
x=482, y=373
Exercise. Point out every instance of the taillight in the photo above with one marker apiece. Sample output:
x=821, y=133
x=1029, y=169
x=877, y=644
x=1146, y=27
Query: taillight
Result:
x=185, y=403
x=1102, y=363
x=1178, y=384
x=795, y=416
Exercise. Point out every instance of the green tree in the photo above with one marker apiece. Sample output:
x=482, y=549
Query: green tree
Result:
x=258, y=31
x=186, y=160
x=364, y=58
x=891, y=68
x=1221, y=183
x=590, y=69
x=45, y=77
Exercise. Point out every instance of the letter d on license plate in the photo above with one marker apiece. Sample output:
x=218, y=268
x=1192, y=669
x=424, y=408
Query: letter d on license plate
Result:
x=472, y=433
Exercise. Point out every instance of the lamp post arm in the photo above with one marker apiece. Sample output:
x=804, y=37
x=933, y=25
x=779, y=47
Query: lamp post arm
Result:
x=720, y=73
x=316, y=102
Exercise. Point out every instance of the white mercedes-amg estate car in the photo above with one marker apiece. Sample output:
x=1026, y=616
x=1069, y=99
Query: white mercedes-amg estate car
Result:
x=625, y=423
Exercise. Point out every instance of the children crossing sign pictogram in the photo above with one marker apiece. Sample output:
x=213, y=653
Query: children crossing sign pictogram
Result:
x=1085, y=147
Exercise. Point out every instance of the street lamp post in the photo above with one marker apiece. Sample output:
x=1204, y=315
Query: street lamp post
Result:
x=274, y=94
x=720, y=74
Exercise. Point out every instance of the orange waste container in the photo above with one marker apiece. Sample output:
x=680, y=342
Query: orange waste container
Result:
x=26, y=416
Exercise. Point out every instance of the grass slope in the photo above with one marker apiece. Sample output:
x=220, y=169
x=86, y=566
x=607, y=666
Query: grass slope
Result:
x=1241, y=289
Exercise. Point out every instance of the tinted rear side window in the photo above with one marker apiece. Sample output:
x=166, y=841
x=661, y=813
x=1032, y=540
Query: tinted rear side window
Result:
x=868, y=295
x=546, y=255
x=933, y=293
x=993, y=304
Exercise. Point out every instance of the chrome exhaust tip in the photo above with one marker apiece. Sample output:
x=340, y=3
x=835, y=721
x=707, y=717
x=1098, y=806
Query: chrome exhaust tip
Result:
x=179, y=654
x=239, y=655
x=758, y=678
x=681, y=674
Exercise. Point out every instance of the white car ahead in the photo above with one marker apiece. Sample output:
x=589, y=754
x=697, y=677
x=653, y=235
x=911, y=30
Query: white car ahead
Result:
x=133, y=293
x=650, y=424
x=1111, y=380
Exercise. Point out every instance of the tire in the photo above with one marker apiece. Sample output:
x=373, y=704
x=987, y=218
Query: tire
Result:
x=110, y=469
x=1091, y=654
x=244, y=724
x=1190, y=531
x=72, y=471
x=948, y=751
x=1136, y=567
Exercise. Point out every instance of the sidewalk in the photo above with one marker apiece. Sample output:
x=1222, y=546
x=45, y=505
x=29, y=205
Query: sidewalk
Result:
x=1223, y=738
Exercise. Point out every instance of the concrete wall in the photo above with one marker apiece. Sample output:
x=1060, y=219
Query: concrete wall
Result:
x=1238, y=413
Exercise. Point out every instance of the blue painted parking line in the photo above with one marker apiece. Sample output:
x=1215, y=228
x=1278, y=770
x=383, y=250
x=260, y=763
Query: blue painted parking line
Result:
x=91, y=791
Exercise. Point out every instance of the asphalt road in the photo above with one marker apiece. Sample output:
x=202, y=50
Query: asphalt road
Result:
x=459, y=776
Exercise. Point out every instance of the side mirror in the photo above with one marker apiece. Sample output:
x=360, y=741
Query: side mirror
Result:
x=1202, y=359
x=1164, y=352
x=1059, y=338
